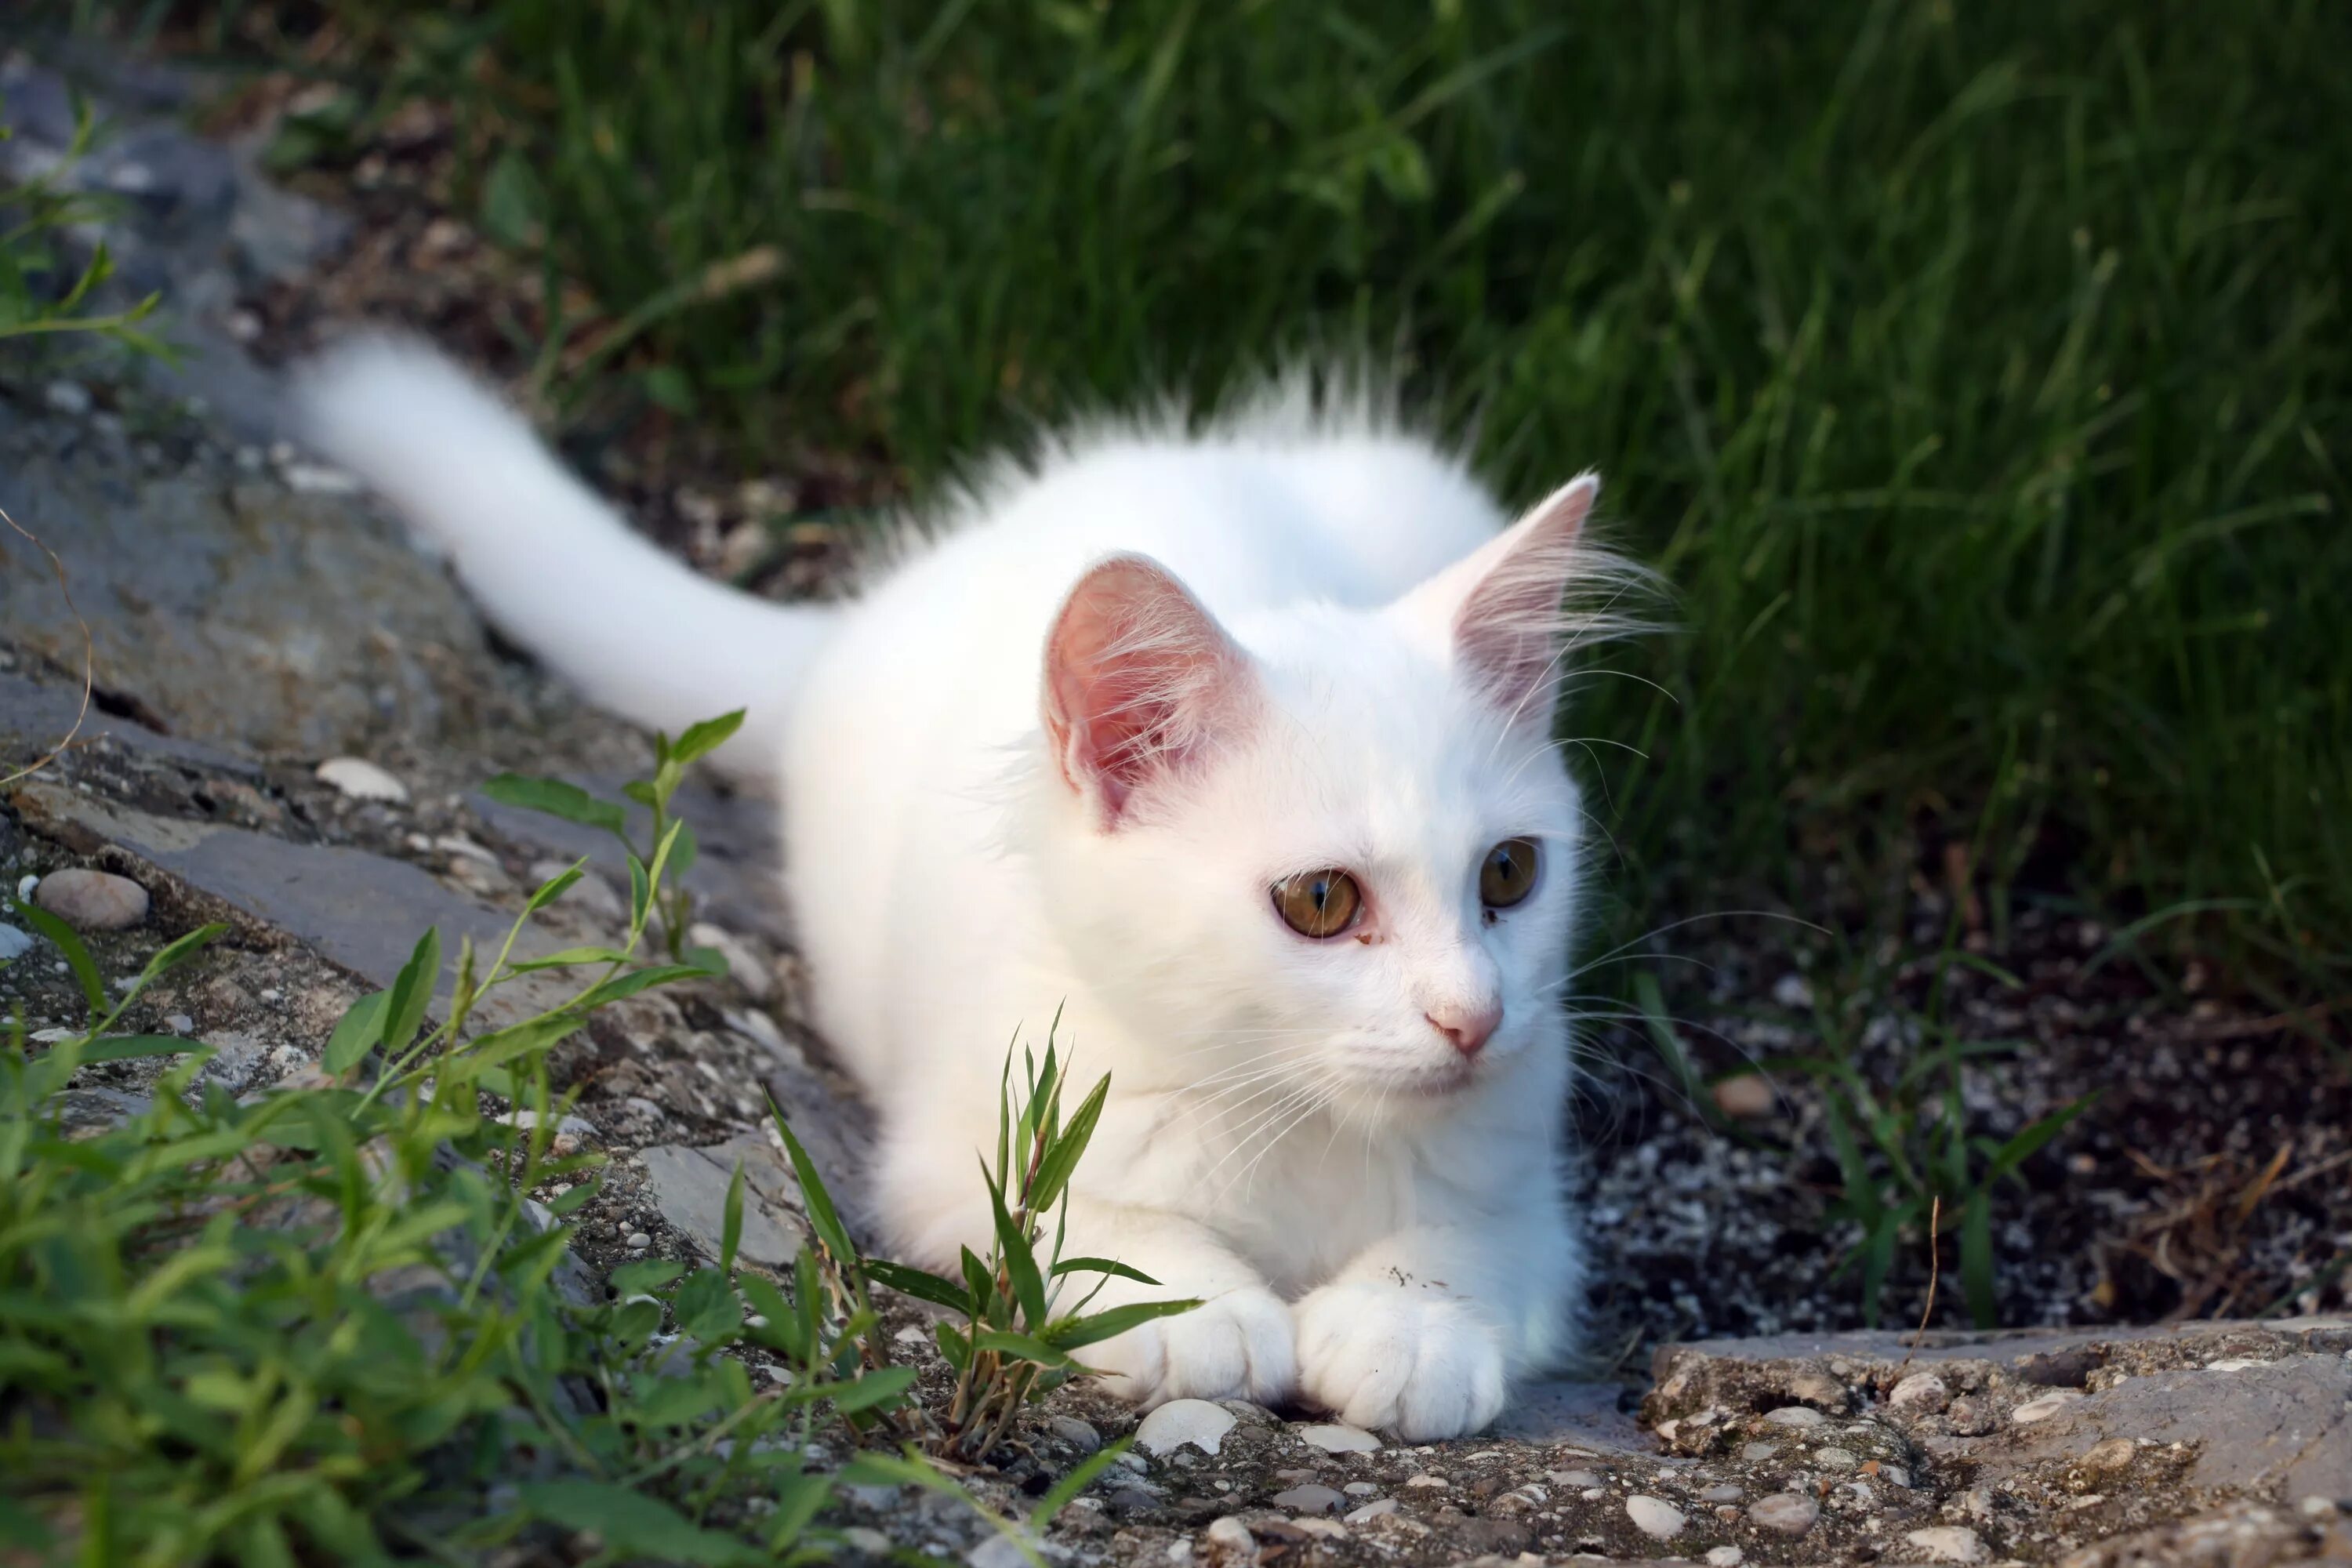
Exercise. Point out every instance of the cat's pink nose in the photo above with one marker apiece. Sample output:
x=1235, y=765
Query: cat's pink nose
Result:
x=1468, y=1028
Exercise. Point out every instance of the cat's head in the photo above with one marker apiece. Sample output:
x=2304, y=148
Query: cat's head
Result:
x=1324, y=852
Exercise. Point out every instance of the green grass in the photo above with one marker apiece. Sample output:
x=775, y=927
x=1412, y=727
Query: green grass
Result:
x=1976, y=372
x=325, y=1323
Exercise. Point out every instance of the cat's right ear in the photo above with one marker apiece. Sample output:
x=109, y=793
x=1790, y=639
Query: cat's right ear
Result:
x=1139, y=681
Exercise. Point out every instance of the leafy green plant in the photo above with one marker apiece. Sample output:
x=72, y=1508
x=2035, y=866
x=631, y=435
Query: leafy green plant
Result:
x=1017, y=1339
x=329, y=1321
x=669, y=834
x=41, y=291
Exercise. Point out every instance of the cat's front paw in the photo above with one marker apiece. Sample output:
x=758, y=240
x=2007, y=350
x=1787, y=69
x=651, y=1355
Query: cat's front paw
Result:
x=1422, y=1367
x=1238, y=1345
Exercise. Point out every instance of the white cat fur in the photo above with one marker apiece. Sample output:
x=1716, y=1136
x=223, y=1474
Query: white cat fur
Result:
x=1376, y=1223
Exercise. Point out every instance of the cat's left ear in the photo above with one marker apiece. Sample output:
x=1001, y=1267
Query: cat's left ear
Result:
x=1500, y=605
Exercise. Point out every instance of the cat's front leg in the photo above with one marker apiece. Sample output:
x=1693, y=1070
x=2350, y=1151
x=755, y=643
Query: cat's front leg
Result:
x=1237, y=1345
x=1421, y=1334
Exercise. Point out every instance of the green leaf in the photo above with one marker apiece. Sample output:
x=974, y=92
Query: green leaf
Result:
x=637, y=980
x=730, y=1221
x=62, y=937
x=411, y=992
x=554, y=888
x=923, y=1286
x=1069, y=1334
x=700, y=740
x=554, y=797
x=131, y=1047
x=1101, y=1266
x=1020, y=1263
x=823, y=1216
x=1068, y=1147
x=883, y=1387
x=631, y=1523
x=513, y=203
x=953, y=1345
x=645, y=1275
x=799, y=1497
x=981, y=1283
x=707, y=1309
x=1077, y=1480
x=781, y=1321
x=567, y=958
x=1977, y=1260
x=2029, y=1140
x=667, y=385
x=1024, y=1347
x=563, y=1204
x=358, y=1031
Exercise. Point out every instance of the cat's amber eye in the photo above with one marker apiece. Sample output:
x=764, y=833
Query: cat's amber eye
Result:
x=1508, y=874
x=1318, y=903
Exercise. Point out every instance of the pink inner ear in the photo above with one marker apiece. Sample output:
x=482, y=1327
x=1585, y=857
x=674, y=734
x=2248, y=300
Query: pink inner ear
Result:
x=1509, y=628
x=1137, y=674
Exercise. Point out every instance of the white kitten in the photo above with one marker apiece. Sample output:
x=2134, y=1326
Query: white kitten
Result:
x=1106, y=745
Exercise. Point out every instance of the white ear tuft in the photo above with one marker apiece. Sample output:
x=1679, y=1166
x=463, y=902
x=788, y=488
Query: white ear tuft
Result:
x=1504, y=604
x=1138, y=680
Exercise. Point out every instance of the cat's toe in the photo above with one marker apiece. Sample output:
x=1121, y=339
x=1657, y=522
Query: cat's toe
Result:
x=1238, y=1345
x=1422, y=1369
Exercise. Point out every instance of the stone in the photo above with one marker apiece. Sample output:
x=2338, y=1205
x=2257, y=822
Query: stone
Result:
x=1725, y=1557
x=93, y=901
x=1362, y=1489
x=14, y=944
x=1334, y=1438
x=1372, y=1510
x=1228, y=1532
x=1797, y=1415
x=356, y=778
x=1948, y=1543
x=1836, y=1459
x=1725, y=1493
x=1923, y=1392
x=1819, y=1390
x=1183, y=1422
x=2044, y=1408
x=1553, y=1412
x=1758, y=1453
x=1746, y=1096
x=1309, y=1499
x=1572, y=1477
x=690, y=1187
x=2115, y=1454
x=749, y=971
x=1320, y=1529
x=1078, y=1434
x=1655, y=1517
x=1789, y=1513
x=999, y=1551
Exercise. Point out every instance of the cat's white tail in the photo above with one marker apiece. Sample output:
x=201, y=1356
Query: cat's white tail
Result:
x=557, y=571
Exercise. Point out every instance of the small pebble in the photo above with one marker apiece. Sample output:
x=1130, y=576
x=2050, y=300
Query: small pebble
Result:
x=1308, y=1499
x=93, y=901
x=25, y=885
x=2115, y=1454
x=1362, y=1489
x=748, y=970
x=1572, y=1477
x=1790, y=1513
x=1334, y=1438
x=1372, y=1510
x=2234, y=1363
x=359, y=779
x=1425, y=1479
x=1655, y=1517
x=1078, y=1434
x=1747, y=1097
x=319, y=479
x=1948, y=1543
x=639, y=1240
x=1835, y=1460
x=14, y=944
x=1229, y=1532
x=1724, y=1556
x=1179, y=1422
x=1797, y=1415
x=1922, y=1391
x=2044, y=1408
x=66, y=397
x=1726, y=1493
x=1791, y=991
x=1758, y=1453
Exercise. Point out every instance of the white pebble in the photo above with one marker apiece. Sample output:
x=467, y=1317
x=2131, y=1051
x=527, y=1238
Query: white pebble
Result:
x=639, y=1241
x=25, y=885
x=2044, y=1408
x=1179, y=1422
x=318, y=480
x=1655, y=1517
x=1724, y=1556
x=66, y=396
x=93, y=900
x=1372, y=1510
x=1921, y=1391
x=1334, y=1438
x=2234, y=1363
x=1796, y=1415
x=1229, y=1532
x=1791, y=991
x=14, y=944
x=359, y=779
x=1948, y=1543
